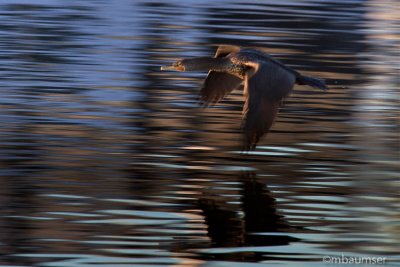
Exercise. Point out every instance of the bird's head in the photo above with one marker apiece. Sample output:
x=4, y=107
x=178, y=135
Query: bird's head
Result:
x=178, y=66
x=195, y=64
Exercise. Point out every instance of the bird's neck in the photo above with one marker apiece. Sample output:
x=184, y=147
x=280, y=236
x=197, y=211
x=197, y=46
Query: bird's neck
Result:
x=208, y=63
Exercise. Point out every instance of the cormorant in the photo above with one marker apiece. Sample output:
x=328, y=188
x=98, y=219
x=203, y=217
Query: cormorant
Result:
x=266, y=83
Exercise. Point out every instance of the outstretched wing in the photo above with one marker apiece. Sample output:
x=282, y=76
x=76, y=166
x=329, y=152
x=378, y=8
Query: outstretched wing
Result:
x=218, y=84
x=224, y=50
x=265, y=88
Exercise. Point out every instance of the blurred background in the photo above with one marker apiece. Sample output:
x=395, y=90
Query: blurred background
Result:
x=106, y=161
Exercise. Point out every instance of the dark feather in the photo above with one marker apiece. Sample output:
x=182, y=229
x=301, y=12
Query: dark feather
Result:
x=264, y=88
x=314, y=82
x=273, y=81
x=217, y=85
x=259, y=119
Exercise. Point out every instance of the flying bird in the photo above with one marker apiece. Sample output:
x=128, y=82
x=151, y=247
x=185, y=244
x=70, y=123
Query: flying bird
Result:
x=266, y=82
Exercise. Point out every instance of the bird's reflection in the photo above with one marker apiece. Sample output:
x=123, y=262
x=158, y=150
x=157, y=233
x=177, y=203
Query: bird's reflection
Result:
x=226, y=228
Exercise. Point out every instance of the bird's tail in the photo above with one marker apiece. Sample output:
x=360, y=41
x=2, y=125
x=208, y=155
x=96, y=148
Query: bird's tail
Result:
x=314, y=82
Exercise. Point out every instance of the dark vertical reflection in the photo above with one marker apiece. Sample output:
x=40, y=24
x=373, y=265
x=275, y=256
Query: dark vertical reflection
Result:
x=37, y=45
x=227, y=228
x=168, y=119
x=19, y=169
x=261, y=214
x=224, y=227
x=148, y=143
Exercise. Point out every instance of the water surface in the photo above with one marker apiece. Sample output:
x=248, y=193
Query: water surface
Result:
x=106, y=161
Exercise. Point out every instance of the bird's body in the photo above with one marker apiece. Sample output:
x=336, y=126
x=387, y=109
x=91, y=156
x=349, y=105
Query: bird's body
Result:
x=266, y=83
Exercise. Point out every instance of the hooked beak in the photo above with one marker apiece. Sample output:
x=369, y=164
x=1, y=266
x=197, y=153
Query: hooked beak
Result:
x=167, y=68
x=172, y=67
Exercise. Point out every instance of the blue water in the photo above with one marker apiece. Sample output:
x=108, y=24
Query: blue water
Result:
x=106, y=161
